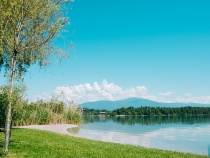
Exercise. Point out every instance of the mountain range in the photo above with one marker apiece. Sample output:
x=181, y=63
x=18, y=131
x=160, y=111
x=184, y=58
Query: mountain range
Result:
x=134, y=102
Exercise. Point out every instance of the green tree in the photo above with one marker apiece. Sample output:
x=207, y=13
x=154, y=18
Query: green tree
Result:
x=27, y=29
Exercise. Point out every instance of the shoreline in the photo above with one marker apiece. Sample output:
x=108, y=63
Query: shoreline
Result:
x=56, y=128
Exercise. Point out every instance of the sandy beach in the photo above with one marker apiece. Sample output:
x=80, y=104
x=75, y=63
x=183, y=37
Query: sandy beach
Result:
x=58, y=128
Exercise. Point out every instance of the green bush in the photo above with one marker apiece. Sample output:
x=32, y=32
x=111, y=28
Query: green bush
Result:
x=3, y=103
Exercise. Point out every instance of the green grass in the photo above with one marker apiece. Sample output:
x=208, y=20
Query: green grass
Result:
x=41, y=144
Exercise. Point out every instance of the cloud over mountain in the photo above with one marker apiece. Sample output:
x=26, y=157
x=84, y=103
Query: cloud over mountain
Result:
x=166, y=94
x=96, y=91
x=110, y=91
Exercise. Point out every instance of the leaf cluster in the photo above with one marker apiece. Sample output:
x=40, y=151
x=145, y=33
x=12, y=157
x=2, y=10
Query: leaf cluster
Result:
x=27, y=29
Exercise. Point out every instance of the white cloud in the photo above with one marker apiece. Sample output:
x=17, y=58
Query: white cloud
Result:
x=188, y=95
x=110, y=91
x=104, y=91
x=44, y=96
x=166, y=94
x=194, y=99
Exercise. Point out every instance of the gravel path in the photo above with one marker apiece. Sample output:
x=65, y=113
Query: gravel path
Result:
x=58, y=128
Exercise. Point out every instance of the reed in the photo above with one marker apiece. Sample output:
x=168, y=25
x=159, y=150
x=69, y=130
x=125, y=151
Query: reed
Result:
x=53, y=111
x=48, y=112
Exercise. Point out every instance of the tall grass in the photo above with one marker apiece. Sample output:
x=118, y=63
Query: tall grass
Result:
x=53, y=111
x=46, y=112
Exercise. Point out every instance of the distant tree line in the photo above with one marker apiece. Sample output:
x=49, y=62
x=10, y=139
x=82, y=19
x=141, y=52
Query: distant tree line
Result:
x=153, y=111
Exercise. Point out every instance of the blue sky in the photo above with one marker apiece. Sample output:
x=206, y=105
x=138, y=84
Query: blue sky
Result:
x=158, y=50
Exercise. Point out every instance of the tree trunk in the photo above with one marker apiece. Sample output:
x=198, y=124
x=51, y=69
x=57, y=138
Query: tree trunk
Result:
x=9, y=109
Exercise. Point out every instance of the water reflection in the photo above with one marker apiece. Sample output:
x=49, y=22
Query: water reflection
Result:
x=74, y=131
x=149, y=120
x=185, y=134
x=209, y=150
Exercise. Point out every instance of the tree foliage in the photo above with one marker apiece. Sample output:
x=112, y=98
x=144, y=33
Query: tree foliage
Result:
x=27, y=29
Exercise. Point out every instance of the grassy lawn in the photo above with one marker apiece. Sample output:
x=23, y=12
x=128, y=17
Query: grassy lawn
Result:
x=40, y=144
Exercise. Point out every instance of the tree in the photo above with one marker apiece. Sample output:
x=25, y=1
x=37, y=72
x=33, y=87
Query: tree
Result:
x=27, y=29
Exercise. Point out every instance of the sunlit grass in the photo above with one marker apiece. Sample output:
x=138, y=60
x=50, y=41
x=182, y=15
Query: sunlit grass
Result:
x=41, y=144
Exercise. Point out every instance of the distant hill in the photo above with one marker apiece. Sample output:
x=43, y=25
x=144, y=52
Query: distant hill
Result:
x=134, y=102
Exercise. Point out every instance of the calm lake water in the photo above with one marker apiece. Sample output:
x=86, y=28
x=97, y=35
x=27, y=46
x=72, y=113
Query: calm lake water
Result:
x=184, y=134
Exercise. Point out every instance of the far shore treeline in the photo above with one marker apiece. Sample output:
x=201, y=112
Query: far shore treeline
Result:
x=152, y=111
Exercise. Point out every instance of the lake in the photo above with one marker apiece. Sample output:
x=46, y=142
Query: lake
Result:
x=177, y=133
